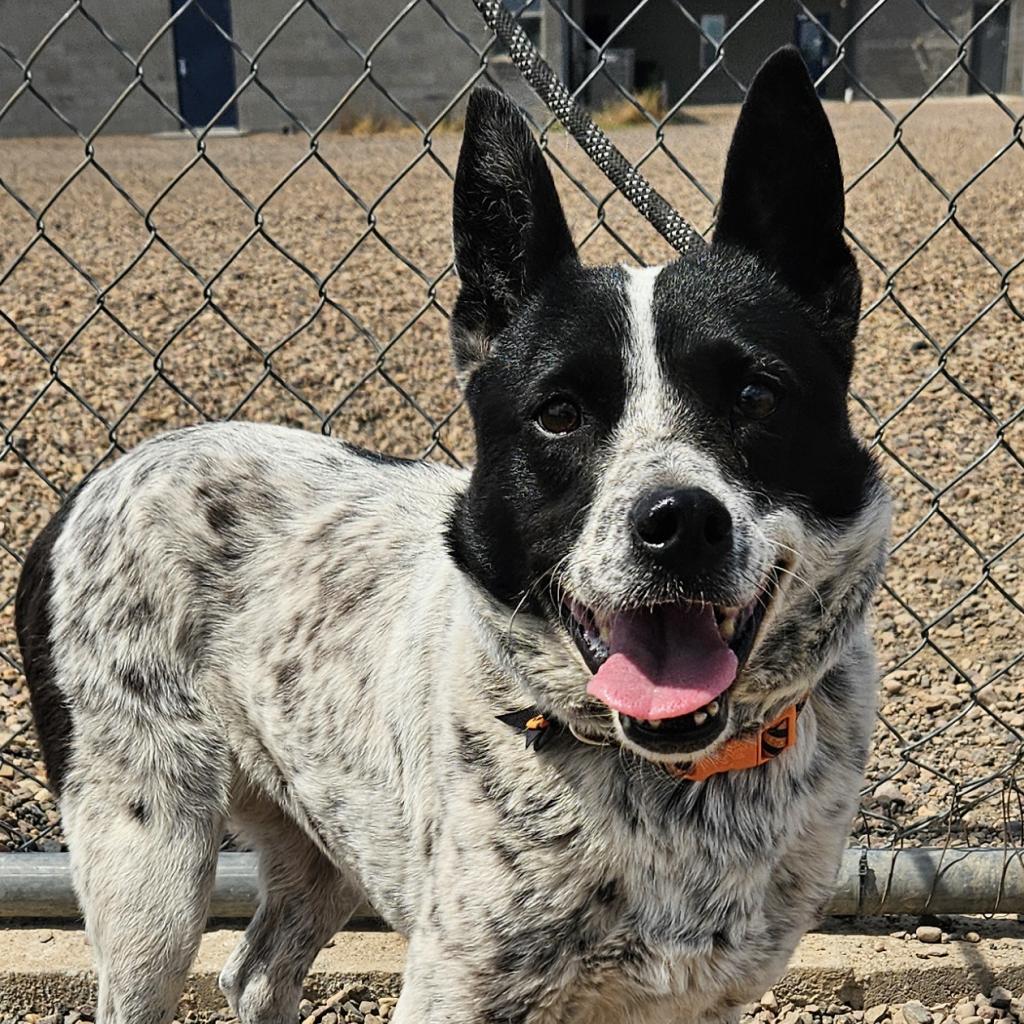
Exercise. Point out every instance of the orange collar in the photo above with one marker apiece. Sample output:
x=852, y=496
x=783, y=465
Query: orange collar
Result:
x=737, y=755
x=745, y=751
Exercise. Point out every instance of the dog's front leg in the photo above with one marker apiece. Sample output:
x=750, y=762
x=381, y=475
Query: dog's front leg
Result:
x=456, y=980
x=436, y=988
x=430, y=986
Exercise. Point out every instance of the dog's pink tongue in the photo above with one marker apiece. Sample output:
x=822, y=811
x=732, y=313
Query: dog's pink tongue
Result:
x=664, y=663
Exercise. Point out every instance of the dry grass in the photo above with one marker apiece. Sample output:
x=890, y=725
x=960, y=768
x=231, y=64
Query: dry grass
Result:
x=367, y=124
x=621, y=113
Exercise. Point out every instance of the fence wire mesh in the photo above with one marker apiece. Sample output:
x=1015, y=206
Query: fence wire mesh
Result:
x=301, y=273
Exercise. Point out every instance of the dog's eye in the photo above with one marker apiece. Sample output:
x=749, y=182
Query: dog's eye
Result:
x=757, y=400
x=559, y=415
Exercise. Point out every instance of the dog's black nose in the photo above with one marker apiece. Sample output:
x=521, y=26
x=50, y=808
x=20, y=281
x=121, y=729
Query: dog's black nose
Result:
x=686, y=529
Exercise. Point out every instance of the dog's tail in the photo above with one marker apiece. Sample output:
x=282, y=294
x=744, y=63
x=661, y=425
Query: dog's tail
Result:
x=33, y=623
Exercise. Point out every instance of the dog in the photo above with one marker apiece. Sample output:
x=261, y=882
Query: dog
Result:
x=586, y=723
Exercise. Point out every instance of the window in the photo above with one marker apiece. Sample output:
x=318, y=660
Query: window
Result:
x=530, y=16
x=712, y=27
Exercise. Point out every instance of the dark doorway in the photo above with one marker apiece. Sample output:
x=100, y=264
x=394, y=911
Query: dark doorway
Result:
x=811, y=38
x=204, y=63
x=988, y=48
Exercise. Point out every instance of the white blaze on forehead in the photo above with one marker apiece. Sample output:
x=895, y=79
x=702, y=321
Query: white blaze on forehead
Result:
x=648, y=398
x=652, y=447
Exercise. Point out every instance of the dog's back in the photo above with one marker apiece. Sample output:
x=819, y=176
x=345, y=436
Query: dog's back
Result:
x=162, y=578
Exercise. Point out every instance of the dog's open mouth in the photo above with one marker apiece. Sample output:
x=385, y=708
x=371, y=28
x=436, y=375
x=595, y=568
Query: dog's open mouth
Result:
x=667, y=669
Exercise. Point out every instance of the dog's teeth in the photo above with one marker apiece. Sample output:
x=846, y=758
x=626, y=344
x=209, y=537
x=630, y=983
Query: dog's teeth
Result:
x=653, y=724
x=712, y=708
x=727, y=625
x=699, y=718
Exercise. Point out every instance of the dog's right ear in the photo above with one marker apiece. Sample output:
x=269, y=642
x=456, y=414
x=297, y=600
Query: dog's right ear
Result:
x=509, y=227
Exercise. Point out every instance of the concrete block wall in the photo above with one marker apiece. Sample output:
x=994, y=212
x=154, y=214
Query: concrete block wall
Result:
x=421, y=62
x=661, y=34
x=1015, y=51
x=78, y=70
x=901, y=51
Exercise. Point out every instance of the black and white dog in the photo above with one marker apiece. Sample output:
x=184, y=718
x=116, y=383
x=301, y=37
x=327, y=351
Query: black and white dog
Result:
x=658, y=573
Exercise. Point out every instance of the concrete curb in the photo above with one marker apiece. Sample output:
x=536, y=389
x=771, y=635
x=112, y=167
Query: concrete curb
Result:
x=41, y=968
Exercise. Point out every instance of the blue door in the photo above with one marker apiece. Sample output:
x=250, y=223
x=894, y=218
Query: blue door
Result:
x=204, y=62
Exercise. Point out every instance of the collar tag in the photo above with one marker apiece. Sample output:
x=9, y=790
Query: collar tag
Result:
x=536, y=726
x=744, y=752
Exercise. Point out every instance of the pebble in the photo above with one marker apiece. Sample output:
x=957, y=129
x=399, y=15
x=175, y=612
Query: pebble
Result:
x=356, y=1004
x=916, y=1013
x=929, y=933
x=1000, y=998
x=889, y=794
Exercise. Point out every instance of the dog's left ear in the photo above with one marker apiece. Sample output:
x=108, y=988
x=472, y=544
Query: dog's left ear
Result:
x=782, y=196
x=509, y=227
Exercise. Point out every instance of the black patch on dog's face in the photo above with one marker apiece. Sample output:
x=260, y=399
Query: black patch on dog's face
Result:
x=530, y=489
x=773, y=301
x=723, y=322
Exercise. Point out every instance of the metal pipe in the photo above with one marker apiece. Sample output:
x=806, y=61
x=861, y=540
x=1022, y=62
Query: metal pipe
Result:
x=871, y=882
x=39, y=885
x=930, y=880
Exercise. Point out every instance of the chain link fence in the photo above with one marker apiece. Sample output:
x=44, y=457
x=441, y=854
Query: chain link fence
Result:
x=212, y=213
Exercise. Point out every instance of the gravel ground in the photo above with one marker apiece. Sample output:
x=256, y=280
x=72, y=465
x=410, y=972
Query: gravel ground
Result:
x=266, y=325
x=360, y=1005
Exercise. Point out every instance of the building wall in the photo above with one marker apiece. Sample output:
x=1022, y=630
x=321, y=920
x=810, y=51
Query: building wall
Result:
x=421, y=62
x=79, y=72
x=662, y=36
x=1015, y=52
x=308, y=67
x=901, y=51
x=898, y=51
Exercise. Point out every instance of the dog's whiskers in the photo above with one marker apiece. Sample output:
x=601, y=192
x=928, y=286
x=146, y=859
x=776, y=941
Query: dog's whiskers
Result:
x=779, y=545
x=551, y=575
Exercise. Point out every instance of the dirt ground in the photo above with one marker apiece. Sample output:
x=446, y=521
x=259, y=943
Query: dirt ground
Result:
x=897, y=970
x=270, y=281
